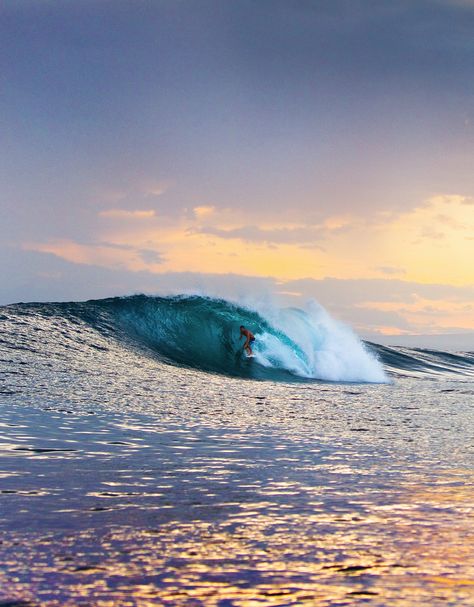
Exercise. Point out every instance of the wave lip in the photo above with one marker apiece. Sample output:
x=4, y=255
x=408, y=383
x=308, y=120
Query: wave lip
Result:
x=202, y=332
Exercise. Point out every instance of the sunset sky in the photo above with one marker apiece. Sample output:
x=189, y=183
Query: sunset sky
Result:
x=304, y=149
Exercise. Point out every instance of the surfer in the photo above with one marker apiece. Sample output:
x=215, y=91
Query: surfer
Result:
x=250, y=338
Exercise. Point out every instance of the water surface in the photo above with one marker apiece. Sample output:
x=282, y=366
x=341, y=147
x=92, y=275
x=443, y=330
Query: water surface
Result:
x=129, y=476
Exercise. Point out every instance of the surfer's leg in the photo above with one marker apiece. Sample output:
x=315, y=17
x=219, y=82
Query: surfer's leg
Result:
x=249, y=348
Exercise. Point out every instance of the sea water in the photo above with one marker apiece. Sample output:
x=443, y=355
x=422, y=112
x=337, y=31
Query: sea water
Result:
x=145, y=461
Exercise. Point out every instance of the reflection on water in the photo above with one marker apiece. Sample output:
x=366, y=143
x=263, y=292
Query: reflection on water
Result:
x=257, y=557
x=125, y=481
x=113, y=510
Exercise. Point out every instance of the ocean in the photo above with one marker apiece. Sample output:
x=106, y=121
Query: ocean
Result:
x=144, y=460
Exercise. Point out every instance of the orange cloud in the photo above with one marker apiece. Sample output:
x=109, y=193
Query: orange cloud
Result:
x=353, y=248
x=429, y=315
x=103, y=254
x=286, y=249
x=203, y=211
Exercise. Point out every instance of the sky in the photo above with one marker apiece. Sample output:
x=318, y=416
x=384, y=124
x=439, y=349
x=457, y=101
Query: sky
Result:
x=299, y=149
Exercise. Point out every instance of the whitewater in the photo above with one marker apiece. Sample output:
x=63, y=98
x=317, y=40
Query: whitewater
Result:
x=145, y=460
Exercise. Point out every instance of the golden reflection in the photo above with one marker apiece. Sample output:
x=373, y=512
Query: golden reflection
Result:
x=401, y=553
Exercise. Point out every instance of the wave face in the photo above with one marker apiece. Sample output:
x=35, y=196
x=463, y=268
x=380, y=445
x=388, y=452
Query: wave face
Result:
x=203, y=333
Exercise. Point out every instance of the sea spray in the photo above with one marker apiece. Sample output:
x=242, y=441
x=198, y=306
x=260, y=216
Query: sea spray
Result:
x=312, y=344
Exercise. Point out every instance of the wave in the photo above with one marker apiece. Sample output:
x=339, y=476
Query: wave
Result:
x=202, y=333
x=417, y=362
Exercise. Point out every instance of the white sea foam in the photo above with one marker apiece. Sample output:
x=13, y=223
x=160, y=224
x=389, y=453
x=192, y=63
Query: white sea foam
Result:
x=312, y=344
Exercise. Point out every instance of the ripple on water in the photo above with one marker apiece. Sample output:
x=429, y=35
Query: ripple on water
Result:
x=236, y=517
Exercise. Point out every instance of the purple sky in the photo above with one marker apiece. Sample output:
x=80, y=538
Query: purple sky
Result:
x=158, y=146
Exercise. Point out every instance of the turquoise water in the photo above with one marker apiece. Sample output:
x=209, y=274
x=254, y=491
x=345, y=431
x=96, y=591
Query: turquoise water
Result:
x=138, y=469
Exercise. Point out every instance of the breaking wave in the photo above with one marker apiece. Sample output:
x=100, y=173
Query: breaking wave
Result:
x=199, y=332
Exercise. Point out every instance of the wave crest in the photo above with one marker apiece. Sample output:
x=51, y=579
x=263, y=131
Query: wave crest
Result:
x=203, y=332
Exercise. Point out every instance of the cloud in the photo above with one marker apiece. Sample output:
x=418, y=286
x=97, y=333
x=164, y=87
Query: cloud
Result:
x=469, y=4
x=101, y=254
x=430, y=316
x=443, y=199
x=151, y=256
x=430, y=233
x=213, y=239
x=390, y=270
x=413, y=240
x=203, y=211
x=301, y=235
x=356, y=291
x=126, y=214
x=155, y=190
